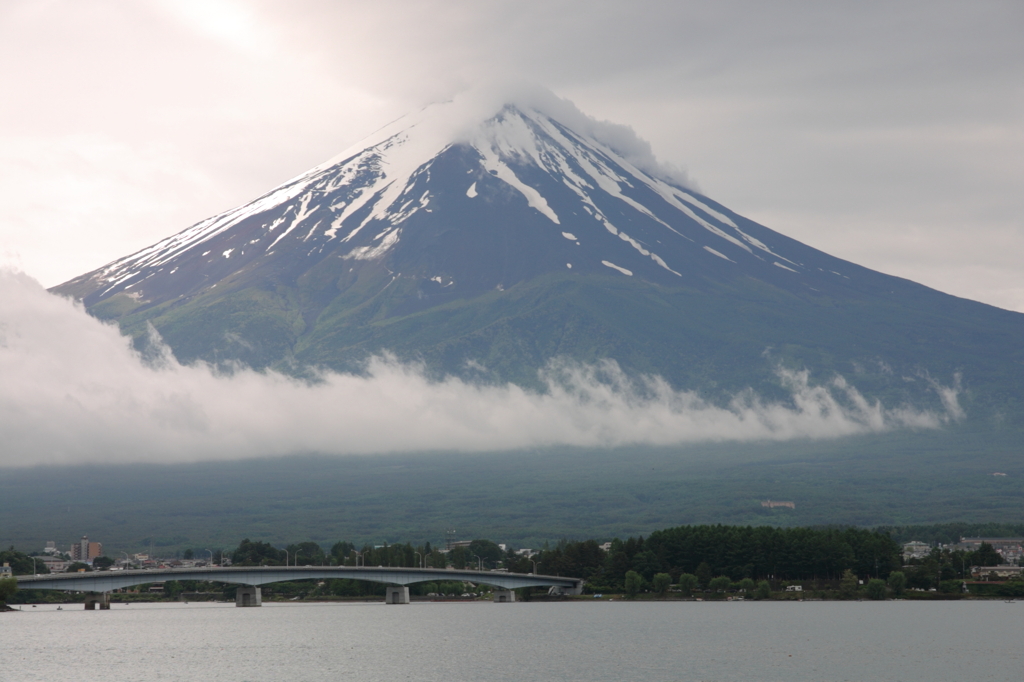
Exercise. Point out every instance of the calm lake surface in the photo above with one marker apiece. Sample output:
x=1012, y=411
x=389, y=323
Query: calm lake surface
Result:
x=524, y=641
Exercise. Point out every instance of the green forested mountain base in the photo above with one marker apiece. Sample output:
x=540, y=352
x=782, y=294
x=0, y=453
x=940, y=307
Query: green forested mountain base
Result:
x=522, y=498
x=716, y=338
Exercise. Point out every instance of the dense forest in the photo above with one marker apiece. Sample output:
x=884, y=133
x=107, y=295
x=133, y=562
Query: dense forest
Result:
x=522, y=498
x=706, y=551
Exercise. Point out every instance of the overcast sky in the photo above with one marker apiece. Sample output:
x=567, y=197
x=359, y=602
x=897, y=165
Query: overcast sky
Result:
x=890, y=134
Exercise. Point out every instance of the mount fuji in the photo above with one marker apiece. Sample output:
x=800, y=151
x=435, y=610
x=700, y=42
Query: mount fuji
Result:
x=487, y=237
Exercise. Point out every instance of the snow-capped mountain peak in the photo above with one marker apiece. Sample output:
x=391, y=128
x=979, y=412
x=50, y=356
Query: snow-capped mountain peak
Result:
x=494, y=234
x=593, y=181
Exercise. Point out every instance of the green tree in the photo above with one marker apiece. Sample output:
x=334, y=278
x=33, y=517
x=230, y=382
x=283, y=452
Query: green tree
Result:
x=460, y=555
x=986, y=556
x=764, y=590
x=720, y=584
x=687, y=583
x=616, y=566
x=188, y=555
x=1012, y=588
x=877, y=589
x=747, y=585
x=251, y=553
x=634, y=581
x=703, y=574
x=342, y=552
x=848, y=585
x=22, y=564
x=8, y=586
x=79, y=566
x=306, y=554
x=437, y=560
x=102, y=562
x=921, y=577
x=950, y=586
x=489, y=552
x=897, y=582
x=646, y=564
x=661, y=583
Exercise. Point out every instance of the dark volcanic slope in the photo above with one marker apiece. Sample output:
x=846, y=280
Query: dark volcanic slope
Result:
x=518, y=239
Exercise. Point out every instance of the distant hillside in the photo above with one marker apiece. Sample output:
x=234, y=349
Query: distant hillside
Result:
x=524, y=498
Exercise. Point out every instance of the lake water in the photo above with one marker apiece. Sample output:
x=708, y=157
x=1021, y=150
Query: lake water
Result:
x=735, y=641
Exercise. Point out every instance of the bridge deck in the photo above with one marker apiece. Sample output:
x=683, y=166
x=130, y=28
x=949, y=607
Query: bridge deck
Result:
x=106, y=581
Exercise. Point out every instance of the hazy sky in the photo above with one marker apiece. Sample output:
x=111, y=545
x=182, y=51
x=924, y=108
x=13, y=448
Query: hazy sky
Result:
x=887, y=133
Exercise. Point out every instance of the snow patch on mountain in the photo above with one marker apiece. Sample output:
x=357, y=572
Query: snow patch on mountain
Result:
x=719, y=254
x=613, y=266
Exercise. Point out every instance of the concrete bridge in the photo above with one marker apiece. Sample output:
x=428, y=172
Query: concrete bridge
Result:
x=251, y=577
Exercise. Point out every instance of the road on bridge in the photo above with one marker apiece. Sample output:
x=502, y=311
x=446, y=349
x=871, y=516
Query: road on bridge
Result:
x=251, y=577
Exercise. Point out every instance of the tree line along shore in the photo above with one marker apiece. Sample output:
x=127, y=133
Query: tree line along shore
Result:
x=686, y=562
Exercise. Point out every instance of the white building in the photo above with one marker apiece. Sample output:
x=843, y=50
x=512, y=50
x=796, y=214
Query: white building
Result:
x=998, y=571
x=916, y=550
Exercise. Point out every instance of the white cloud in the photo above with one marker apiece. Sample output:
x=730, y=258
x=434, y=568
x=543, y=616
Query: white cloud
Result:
x=74, y=391
x=81, y=192
x=223, y=20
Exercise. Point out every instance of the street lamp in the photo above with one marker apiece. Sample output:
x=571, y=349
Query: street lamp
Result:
x=425, y=558
x=479, y=562
x=420, y=558
x=211, y=556
x=286, y=557
x=127, y=559
x=35, y=568
x=359, y=555
x=534, y=566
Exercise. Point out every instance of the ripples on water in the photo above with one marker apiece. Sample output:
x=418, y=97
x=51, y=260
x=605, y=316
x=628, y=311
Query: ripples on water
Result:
x=448, y=642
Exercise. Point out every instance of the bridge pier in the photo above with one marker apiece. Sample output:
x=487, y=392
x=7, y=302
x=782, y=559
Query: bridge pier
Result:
x=504, y=596
x=101, y=600
x=248, y=596
x=397, y=594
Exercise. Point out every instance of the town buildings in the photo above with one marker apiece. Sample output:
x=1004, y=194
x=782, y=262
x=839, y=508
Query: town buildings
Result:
x=1010, y=549
x=86, y=551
